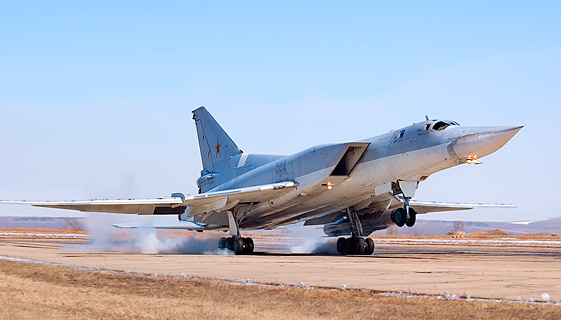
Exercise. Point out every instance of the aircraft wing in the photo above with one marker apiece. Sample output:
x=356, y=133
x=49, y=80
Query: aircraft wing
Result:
x=433, y=206
x=176, y=224
x=174, y=205
x=389, y=202
x=438, y=206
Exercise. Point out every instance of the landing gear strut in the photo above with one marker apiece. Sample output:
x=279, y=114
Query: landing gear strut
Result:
x=236, y=243
x=356, y=244
x=407, y=215
x=410, y=214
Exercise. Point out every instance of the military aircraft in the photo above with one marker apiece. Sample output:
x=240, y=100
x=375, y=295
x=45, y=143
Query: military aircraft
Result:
x=352, y=188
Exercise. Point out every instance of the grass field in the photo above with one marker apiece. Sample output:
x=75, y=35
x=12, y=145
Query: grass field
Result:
x=31, y=291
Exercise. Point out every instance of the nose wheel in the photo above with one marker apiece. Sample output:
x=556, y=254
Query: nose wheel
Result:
x=410, y=221
x=401, y=218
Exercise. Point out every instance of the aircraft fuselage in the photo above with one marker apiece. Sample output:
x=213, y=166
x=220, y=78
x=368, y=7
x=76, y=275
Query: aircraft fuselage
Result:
x=324, y=186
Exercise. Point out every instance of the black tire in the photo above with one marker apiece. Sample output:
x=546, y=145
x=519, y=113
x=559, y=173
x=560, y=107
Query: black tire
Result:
x=234, y=246
x=239, y=246
x=229, y=243
x=360, y=246
x=249, y=246
x=243, y=248
x=399, y=217
x=341, y=245
x=350, y=244
x=222, y=243
x=412, y=218
x=369, y=247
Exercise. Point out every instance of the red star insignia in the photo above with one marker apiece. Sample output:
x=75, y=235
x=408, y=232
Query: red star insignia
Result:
x=217, y=148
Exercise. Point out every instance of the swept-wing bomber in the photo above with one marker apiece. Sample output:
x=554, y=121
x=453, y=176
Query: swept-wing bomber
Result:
x=352, y=189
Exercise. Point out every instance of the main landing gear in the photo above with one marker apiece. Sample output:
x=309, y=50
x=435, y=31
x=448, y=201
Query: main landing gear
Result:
x=236, y=243
x=356, y=244
x=239, y=245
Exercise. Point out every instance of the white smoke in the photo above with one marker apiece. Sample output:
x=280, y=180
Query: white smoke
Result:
x=102, y=236
x=309, y=240
x=315, y=246
x=149, y=240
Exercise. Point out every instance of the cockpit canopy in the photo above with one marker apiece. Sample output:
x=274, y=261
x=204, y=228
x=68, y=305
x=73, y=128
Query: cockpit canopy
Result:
x=442, y=124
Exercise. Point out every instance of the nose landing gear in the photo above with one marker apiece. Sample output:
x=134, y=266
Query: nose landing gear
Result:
x=401, y=217
x=407, y=215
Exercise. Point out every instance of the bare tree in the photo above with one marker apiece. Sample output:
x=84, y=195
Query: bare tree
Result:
x=458, y=227
x=73, y=224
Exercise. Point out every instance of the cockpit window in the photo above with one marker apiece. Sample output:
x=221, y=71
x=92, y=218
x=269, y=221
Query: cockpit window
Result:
x=400, y=134
x=441, y=125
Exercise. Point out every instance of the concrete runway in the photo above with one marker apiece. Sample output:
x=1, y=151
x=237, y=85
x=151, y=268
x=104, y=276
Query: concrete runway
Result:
x=491, y=272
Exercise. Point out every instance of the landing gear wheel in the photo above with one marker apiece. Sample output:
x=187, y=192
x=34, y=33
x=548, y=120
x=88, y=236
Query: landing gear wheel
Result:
x=237, y=245
x=399, y=216
x=222, y=243
x=359, y=246
x=369, y=247
x=248, y=246
x=240, y=245
x=349, y=245
x=341, y=245
x=355, y=246
x=412, y=218
x=229, y=243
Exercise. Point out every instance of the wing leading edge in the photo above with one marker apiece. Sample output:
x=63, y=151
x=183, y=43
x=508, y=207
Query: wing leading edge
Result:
x=173, y=205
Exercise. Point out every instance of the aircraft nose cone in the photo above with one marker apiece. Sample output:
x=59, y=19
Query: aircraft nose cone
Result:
x=481, y=142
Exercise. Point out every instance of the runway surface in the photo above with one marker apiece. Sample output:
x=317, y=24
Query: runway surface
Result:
x=479, y=271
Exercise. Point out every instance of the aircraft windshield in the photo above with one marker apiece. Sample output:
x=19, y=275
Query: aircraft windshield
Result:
x=441, y=125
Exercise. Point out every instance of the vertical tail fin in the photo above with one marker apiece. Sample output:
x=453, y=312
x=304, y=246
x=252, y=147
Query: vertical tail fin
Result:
x=214, y=142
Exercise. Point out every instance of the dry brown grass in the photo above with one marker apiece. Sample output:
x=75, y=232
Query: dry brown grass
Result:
x=29, y=291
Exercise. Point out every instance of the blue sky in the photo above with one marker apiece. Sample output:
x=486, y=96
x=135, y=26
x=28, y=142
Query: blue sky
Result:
x=95, y=98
